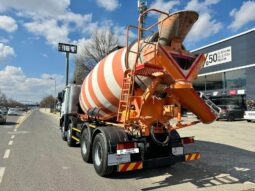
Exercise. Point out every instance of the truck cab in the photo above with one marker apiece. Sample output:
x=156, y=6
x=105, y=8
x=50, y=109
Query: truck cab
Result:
x=69, y=99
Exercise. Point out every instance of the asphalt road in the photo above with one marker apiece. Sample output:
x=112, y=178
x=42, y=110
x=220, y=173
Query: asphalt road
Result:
x=38, y=160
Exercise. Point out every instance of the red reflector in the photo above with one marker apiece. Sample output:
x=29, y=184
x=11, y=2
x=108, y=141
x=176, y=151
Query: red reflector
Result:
x=188, y=140
x=126, y=145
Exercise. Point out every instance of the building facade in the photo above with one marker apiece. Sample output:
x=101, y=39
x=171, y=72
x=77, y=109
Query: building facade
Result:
x=228, y=76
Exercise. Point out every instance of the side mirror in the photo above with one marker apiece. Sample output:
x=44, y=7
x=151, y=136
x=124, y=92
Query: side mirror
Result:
x=61, y=96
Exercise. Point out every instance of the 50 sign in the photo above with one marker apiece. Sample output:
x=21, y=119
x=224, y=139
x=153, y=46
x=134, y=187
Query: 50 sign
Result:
x=218, y=57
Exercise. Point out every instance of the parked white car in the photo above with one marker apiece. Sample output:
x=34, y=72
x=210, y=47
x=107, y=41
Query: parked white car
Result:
x=13, y=111
x=249, y=115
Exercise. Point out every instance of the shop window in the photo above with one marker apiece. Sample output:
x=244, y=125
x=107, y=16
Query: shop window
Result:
x=236, y=79
x=214, y=81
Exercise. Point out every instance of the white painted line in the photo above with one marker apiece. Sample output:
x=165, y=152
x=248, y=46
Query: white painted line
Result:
x=215, y=182
x=10, y=143
x=7, y=153
x=15, y=130
x=2, y=169
x=12, y=137
x=224, y=180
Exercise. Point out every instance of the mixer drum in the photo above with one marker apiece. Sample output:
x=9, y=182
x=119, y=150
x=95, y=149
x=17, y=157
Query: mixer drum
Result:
x=102, y=87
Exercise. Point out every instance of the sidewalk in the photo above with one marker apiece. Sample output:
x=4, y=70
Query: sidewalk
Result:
x=47, y=111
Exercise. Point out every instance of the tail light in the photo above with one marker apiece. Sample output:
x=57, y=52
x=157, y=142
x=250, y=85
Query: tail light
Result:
x=128, y=145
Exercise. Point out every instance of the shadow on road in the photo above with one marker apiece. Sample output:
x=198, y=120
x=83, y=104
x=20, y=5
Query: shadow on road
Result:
x=220, y=164
x=10, y=123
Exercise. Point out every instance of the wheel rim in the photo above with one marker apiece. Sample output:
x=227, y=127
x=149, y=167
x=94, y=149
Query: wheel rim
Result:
x=84, y=147
x=98, y=155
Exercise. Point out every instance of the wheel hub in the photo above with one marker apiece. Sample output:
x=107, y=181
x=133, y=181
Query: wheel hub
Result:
x=98, y=155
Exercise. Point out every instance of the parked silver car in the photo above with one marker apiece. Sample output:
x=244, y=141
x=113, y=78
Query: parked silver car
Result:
x=13, y=111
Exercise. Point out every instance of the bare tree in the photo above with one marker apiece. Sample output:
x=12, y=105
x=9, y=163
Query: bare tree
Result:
x=3, y=99
x=48, y=101
x=100, y=45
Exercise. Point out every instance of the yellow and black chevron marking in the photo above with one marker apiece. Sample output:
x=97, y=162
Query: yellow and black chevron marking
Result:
x=75, y=129
x=192, y=156
x=130, y=166
x=93, y=126
x=75, y=138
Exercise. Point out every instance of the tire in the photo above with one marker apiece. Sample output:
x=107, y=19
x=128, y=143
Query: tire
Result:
x=99, y=156
x=85, y=146
x=70, y=141
x=231, y=118
x=248, y=120
x=63, y=134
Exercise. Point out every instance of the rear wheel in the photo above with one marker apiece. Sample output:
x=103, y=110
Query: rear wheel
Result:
x=85, y=146
x=70, y=141
x=99, y=156
x=248, y=120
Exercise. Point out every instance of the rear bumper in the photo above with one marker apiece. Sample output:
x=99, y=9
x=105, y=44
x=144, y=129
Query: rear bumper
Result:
x=157, y=162
x=164, y=161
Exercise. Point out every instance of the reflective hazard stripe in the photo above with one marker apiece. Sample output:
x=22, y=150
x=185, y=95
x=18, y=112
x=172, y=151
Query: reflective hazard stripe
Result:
x=130, y=166
x=192, y=156
x=76, y=129
x=75, y=138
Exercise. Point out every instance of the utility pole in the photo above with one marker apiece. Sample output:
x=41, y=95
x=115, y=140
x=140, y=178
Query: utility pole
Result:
x=67, y=48
x=142, y=6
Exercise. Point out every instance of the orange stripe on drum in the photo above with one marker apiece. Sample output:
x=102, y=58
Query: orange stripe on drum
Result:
x=98, y=104
x=117, y=68
x=99, y=94
x=103, y=85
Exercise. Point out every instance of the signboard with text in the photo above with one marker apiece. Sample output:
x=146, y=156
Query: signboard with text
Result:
x=218, y=57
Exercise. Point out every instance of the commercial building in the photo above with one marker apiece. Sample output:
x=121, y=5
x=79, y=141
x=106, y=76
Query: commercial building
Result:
x=228, y=76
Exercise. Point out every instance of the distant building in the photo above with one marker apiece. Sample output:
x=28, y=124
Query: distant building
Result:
x=228, y=76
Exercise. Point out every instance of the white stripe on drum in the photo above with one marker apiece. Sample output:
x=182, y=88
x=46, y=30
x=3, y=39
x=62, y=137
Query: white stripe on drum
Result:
x=123, y=60
x=98, y=92
x=83, y=101
x=109, y=76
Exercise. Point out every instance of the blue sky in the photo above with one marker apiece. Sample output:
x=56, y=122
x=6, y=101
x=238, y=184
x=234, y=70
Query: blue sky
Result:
x=31, y=29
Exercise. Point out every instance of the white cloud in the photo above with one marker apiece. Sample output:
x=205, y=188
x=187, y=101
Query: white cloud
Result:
x=24, y=88
x=7, y=23
x=243, y=16
x=54, y=21
x=109, y=5
x=49, y=29
x=164, y=6
x=206, y=26
x=5, y=52
x=199, y=6
x=50, y=19
x=45, y=8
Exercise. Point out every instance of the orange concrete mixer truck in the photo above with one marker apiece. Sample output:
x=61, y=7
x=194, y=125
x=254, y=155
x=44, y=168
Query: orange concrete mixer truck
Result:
x=126, y=114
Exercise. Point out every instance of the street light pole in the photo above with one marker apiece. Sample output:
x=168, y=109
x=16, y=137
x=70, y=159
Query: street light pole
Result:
x=67, y=48
x=67, y=67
